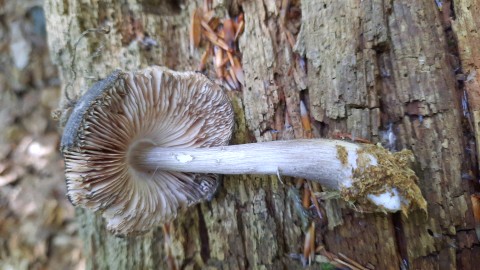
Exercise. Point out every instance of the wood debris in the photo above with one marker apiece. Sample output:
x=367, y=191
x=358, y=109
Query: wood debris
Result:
x=475, y=198
x=326, y=259
x=309, y=246
x=220, y=39
x=350, y=137
x=167, y=241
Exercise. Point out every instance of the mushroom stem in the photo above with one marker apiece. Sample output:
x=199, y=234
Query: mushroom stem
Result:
x=316, y=160
x=329, y=162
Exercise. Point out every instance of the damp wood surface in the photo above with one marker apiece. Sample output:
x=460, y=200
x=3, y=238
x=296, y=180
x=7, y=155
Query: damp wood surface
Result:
x=370, y=66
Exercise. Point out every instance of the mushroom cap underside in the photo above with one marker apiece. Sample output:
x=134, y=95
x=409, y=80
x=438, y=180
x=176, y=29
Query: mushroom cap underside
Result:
x=155, y=106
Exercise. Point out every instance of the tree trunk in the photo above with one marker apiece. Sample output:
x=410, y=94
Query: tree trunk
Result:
x=379, y=70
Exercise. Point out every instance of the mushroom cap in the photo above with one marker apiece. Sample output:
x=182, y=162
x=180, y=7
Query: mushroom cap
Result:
x=155, y=106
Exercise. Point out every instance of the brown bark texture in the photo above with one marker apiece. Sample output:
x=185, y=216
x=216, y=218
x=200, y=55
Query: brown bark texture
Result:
x=395, y=72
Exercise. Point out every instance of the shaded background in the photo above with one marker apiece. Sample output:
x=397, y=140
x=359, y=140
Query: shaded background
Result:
x=37, y=227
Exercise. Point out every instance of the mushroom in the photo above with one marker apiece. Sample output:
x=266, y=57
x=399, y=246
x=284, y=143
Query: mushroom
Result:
x=142, y=146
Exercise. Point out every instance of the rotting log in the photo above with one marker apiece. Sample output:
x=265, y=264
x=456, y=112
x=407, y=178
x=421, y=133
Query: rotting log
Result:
x=373, y=68
x=388, y=67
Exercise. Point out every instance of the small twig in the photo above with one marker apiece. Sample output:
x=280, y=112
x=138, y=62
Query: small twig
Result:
x=279, y=176
x=359, y=266
x=313, y=198
x=171, y=262
x=337, y=260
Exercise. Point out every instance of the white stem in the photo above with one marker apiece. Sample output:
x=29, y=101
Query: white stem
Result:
x=316, y=160
x=319, y=160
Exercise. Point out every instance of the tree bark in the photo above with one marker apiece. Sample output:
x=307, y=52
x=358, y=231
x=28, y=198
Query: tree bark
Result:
x=373, y=69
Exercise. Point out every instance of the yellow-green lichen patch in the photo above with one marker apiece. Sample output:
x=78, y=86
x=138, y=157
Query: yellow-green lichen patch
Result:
x=392, y=171
x=342, y=154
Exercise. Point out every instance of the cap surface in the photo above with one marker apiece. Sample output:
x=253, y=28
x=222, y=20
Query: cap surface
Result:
x=156, y=106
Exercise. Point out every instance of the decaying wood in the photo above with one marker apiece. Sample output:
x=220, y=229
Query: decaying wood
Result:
x=378, y=70
x=397, y=66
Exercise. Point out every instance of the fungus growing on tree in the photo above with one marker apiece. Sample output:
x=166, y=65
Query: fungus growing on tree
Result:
x=141, y=146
